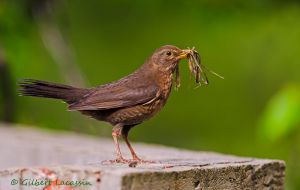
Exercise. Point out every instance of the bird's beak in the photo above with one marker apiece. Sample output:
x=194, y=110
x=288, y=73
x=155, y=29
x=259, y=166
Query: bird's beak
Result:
x=184, y=54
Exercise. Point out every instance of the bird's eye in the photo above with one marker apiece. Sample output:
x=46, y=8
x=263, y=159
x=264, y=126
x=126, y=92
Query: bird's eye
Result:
x=169, y=53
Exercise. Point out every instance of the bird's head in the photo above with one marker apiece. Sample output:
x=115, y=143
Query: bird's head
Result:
x=167, y=57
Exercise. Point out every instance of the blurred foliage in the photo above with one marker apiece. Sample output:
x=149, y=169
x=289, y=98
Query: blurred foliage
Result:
x=253, y=44
x=281, y=117
x=281, y=122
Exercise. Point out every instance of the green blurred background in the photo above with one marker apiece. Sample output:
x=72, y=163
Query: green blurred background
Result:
x=255, y=45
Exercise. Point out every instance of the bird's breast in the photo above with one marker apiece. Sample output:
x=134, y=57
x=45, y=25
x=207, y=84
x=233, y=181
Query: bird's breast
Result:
x=164, y=82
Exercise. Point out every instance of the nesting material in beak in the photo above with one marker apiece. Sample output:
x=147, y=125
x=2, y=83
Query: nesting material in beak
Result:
x=197, y=69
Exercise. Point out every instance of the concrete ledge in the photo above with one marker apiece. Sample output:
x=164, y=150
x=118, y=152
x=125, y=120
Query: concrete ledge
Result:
x=29, y=156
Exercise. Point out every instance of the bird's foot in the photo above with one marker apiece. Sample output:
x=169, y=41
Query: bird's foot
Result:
x=136, y=160
x=141, y=161
x=116, y=161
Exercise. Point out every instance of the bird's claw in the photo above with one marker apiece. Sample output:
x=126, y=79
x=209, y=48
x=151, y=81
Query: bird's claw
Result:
x=136, y=160
x=141, y=161
x=132, y=162
x=116, y=161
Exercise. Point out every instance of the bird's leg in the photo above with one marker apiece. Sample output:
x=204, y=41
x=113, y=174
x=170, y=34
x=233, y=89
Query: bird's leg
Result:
x=116, y=132
x=133, y=154
x=135, y=158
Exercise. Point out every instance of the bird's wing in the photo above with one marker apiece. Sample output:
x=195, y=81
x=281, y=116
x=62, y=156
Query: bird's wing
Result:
x=116, y=96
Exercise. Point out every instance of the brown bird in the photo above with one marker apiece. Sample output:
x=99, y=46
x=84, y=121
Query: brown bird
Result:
x=123, y=103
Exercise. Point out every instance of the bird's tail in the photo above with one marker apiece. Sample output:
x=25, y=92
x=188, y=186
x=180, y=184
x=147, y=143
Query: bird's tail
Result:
x=37, y=88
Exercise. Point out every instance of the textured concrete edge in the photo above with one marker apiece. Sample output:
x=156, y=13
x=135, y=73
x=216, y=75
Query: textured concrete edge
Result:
x=268, y=174
x=262, y=174
x=192, y=170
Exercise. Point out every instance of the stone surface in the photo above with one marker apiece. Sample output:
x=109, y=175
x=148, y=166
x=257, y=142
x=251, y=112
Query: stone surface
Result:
x=29, y=156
